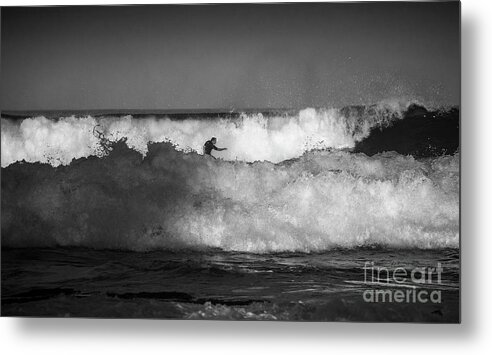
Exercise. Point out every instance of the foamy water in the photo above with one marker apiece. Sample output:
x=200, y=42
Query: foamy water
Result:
x=173, y=199
x=250, y=137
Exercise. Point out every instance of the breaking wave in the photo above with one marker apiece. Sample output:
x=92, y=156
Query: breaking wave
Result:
x=173, y=199
x=249, y=137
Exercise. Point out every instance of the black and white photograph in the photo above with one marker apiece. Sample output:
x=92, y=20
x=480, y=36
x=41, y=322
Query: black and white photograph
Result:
x=266, y=162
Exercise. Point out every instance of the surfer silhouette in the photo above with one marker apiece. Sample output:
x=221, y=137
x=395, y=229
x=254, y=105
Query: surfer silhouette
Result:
x=209, y=146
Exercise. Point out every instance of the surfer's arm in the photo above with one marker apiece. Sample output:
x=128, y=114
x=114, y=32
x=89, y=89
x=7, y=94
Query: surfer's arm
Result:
x=219, y=149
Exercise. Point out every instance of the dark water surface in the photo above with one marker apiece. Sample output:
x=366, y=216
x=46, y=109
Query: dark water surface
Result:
x=213, y=284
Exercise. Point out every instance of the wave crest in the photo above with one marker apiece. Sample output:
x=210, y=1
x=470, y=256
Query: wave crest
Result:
x=249, y=137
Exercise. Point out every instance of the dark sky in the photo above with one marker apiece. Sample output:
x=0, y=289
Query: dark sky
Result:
x=216, y=56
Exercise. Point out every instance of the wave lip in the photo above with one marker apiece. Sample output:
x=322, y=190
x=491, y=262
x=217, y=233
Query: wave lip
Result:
x=249, y=137
x=172, y=200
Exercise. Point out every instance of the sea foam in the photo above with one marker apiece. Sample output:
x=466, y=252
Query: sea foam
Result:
x=250, y=137
x=171, y=199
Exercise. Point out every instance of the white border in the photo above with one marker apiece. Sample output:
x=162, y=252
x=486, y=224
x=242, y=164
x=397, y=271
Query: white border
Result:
x=85, y=336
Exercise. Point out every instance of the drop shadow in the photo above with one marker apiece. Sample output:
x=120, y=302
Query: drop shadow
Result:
x=469, y=147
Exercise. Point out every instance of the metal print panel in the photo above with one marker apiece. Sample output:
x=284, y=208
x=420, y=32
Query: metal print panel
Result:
x=280, y=162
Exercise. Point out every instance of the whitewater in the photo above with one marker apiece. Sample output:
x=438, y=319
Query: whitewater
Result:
x=285, y=185
x=249, y=137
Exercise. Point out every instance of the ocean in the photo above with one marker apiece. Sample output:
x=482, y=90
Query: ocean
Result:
x=317, y=214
